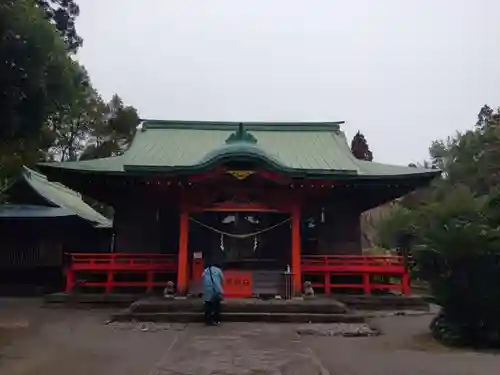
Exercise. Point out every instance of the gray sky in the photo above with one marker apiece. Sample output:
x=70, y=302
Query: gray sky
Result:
x=404, y=72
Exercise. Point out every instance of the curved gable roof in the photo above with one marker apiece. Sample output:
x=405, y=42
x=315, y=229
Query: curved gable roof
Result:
x=189, y=146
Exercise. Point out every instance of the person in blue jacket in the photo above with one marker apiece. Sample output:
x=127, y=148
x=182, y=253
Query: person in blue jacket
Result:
x=213, y=293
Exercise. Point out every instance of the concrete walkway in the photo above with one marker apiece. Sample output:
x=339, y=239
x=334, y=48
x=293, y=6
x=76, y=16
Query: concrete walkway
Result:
x=238, y=349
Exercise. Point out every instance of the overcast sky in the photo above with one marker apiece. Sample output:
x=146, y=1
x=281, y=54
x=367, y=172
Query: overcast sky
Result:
x=404, y=72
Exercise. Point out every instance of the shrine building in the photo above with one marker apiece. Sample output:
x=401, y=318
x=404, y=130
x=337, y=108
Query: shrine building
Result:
x=256, y=198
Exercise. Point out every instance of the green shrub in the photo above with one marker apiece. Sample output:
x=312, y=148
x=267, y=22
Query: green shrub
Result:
x=459, y=255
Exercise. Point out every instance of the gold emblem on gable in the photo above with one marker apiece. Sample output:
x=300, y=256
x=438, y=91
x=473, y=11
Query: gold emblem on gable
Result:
x=240, y=175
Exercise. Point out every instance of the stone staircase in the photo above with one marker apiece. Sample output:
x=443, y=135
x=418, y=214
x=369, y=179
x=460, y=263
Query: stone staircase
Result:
x=240, y=310
x=333, y=309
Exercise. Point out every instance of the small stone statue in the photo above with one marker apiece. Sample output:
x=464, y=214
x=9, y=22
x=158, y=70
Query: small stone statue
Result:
x=308, y=289
x=169, y=291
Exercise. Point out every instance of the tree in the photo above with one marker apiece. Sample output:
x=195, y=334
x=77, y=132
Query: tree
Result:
x=72, y=127
x=471, y=157
x=37, y=79
x=36, y=75
x=359, y=147
x=91, y=128
x=62, y=13
x=114, y=133
x=458, y=254
x=468, y=160
x=455, y=225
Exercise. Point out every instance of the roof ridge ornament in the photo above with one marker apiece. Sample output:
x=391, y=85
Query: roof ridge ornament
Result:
x=241, y=135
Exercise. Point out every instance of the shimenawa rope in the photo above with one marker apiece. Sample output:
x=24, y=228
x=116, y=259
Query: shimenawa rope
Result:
x=237, y=235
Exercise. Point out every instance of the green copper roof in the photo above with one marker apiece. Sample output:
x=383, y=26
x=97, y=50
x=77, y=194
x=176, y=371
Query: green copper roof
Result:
x=63, y=197
x=295, y=148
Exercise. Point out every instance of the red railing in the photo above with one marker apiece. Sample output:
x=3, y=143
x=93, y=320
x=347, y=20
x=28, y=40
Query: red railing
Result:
x=366, y=266
x=82, y=265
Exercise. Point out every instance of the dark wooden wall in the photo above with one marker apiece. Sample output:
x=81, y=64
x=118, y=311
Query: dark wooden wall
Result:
x=87, y=239
x=273, y=247
x=32, y=251
x=31, y=243
x=150, y=228
x=340, y=233
x=146, y=229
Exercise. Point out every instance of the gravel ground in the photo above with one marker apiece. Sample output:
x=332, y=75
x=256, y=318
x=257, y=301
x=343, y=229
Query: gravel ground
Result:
x=404, y=348
x=59, y=341
x=338, y=329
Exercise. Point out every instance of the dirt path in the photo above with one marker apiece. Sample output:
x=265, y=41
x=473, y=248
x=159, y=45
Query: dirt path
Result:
x=78, y=342
x=60, y=342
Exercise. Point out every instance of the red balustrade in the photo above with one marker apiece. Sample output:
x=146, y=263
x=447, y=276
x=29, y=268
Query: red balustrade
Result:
x=325, y=266
x=87, y=264
x=366, y=266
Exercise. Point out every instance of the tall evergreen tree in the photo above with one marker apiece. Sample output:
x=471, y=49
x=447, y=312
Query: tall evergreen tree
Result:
x=62, y=14
x=359, y=147
x=37, y=79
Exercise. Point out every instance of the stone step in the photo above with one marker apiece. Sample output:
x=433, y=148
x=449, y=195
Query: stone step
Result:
x=337, y=304
x=157, y=305
x=383, y=302
x=91, y=299
x=191, y=317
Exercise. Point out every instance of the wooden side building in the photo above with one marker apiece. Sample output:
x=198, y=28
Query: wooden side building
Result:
x=41, y=222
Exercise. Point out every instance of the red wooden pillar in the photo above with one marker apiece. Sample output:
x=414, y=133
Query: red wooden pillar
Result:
x=405, y=281
x=70, y=280
x=182, y=265
x=328, y=280
x=109, y=282
x=150, y=278
x=366, y=284
x=296, y=245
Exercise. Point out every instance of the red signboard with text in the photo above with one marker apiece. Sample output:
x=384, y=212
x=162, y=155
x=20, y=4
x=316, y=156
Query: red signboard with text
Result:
x=237, y=284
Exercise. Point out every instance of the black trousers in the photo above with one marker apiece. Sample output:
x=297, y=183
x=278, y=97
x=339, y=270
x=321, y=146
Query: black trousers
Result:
x=212, y=311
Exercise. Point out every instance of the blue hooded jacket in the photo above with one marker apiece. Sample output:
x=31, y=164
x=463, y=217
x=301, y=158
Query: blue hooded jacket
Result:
x=210, y=287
